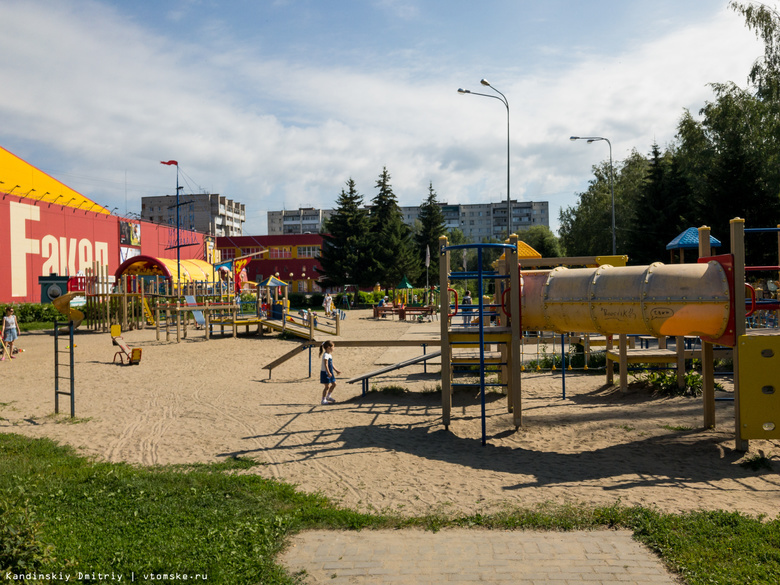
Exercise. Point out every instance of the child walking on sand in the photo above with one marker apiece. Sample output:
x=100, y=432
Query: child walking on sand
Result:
x=327, y=372
x=10, y=332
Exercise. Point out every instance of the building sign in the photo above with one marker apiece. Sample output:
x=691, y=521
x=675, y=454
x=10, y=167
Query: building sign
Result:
x=39, y=238
x=44, y=239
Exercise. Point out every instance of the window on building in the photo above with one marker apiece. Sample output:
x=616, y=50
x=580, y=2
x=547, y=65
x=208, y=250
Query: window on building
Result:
x=308, y=251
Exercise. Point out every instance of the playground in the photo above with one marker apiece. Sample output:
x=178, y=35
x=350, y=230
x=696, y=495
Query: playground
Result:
x=197, y=401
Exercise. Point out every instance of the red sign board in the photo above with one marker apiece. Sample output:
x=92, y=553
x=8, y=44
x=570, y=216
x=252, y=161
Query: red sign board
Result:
x=38, y=238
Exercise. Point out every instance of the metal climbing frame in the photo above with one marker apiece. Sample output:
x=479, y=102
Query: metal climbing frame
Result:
x=494, y=325
x=67, y=367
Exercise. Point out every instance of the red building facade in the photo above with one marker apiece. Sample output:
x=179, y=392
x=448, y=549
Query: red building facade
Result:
x=291, y=257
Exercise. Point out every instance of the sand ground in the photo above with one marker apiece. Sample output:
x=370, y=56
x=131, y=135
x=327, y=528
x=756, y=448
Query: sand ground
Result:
x=200, y=401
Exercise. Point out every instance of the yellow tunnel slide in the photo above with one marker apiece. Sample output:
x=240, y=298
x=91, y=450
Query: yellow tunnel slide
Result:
x=660, y=299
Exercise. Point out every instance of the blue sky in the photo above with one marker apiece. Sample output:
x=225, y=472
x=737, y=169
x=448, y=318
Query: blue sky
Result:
x=277, y=103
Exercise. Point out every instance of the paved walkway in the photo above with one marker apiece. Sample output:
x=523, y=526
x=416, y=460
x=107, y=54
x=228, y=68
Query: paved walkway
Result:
x=379, y=557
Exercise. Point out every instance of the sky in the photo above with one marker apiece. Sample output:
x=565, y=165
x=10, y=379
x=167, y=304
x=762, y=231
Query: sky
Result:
x=277, y=103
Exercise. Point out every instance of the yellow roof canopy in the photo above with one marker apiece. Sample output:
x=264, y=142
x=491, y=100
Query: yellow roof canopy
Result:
x=18, y=177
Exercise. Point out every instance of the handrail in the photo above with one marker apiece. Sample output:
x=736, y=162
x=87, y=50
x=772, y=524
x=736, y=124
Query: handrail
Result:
x=503, y=302
x=752, y=300
x=456, y=301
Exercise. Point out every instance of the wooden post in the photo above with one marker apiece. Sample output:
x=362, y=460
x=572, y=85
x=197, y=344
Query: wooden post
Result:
x=235, y=317
x=143, y=306
x=125, y=323
x=107, y=296
x=514, y=366
x=157, y=321
x=610, y=364
x=178, y=321
x=167, y=322
x=338, y=323
x=737, y=232
x=444, y=326
x=502, y=321
x=586, y=350
x=207, y=319
x=185, y=319
x=707, y=351
x=623, y=345
x=679, y=343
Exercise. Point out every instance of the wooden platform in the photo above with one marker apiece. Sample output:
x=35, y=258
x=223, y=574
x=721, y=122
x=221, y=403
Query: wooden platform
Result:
x=651, y=356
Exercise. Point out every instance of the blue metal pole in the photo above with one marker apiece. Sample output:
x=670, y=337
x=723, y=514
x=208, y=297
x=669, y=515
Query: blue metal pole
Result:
x=56, y=367
x=72, y=377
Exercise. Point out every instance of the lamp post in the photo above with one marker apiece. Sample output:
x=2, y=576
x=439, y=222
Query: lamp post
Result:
x=591, y=139
x=504, y=101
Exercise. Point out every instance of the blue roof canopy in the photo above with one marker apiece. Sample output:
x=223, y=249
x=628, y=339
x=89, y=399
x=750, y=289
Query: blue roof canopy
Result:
x=690, y=239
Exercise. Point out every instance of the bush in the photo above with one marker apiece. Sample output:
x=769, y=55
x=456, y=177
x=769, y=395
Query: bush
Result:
x=665, y=382
x=20, y=549
x=33, y=312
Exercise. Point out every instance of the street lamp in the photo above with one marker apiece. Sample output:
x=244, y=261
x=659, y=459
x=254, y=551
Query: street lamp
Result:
x=504, y=101
x=591, y=139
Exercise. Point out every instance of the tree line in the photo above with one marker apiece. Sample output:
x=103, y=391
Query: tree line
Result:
x=364, y=245
x=720, y=166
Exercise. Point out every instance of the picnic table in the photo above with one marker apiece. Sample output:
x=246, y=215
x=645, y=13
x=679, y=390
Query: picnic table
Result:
x=415, y=311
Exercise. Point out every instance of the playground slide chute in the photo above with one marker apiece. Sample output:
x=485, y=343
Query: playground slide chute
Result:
x=660, y=299
x=62, y=304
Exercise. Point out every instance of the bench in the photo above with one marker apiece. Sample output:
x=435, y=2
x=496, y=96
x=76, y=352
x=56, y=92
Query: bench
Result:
x=386, y=310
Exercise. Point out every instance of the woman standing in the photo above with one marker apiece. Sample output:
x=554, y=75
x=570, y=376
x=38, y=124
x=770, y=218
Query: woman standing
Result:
x=10, y=332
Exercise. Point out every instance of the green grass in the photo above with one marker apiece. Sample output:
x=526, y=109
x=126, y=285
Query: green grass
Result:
x=68, y=513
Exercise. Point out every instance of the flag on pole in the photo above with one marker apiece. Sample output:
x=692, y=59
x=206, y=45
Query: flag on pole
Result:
x=427, y=255
x=239, y=272
x=169, y=162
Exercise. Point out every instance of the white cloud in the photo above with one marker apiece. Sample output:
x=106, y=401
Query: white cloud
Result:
x=106, y=96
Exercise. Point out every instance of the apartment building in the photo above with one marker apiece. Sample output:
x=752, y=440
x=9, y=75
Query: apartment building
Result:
x=481, y=221
x=210, y=213
x=305, y=220
x=478, y=221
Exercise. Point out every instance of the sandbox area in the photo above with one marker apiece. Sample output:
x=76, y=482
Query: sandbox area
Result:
x=200, y=401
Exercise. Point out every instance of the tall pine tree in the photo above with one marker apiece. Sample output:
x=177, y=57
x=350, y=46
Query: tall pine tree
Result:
x=661, y=206
x=393, y=250
x=346, y=254
x=432, y=226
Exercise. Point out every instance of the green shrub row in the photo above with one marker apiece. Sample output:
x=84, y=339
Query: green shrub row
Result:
x=33, y=312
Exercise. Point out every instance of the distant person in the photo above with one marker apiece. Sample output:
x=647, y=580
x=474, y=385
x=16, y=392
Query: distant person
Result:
x=327, y=372
x=10, y=332
x=327, y=304
x=467, y=310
